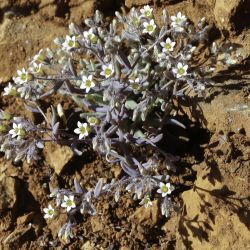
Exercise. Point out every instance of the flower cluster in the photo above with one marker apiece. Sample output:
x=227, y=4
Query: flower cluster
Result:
x=126, y=84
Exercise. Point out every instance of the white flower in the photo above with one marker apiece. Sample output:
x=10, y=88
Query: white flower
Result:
x=146, y=201
x=68, y=202
x=10, y=90
x=135, y=18
x=168, y=45
x=36, y=69
x=17, y=131
x=178, y=21
x=146, y=11
x=82, y=130
x=135, y=84
x=39, y=57
x=149, y=27
x=90, y=36
x=49, y=212
x=87, y=83
x=70, y=43
x=107, y=70
x=163, y=59
x=165, y=189
x=93, y=121
x=181, y=70
x=23, y=76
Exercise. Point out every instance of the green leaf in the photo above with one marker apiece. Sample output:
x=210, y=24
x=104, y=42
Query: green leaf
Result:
x=130, y=104
x=139, y=134
x=95, y=97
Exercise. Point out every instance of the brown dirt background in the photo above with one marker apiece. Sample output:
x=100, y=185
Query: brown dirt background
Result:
x=213, y=215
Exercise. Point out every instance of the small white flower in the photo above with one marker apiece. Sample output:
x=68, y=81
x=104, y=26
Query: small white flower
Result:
x=146, y=11
x=49, y=212
x=39, y=57
x=136, y=19
x=181, y=70
x=70, y=43
x=93, y=121
x=178, y=21
x=135, y=84
x=107, y=70
x=17, y=131
x=68, y=202
x=146, y=201
x=165, y=189
x=90, y=36
x=163, y=59
x=36, y=69
x=87, y=83
x=149, y=27
x=23, y=76
x=82, y=130
x=168, y=46
x=10, y=90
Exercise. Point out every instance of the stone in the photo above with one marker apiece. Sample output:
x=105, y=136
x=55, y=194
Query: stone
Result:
x=25, y=219
x=57, y=156
x=131, y=3
x=18, y=237
x=55, y=225
x=226, y=13
x=9, y=192
x=206, y=223
x=82, y=10
x=96, y=224
x=88, y=246
x=148, y=216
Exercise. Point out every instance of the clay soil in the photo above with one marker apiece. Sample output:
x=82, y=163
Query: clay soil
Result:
x=213, y=171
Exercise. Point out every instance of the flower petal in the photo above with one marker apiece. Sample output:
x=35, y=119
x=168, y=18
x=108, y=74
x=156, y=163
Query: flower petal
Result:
x=77, y=131
x=46, y=216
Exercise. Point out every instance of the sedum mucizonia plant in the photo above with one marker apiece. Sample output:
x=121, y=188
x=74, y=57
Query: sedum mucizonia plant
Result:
x=123, y=78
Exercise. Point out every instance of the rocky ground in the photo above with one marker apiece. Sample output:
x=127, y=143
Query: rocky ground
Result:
x=214, y=214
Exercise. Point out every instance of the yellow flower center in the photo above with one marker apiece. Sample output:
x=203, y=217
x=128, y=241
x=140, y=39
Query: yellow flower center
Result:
x=135, y=86
x=150, y=28
x=83, y=130
x=168, y=46
x=93, y=38
x=50, y=212
x=88, y=84
x=164, y=189
x=148, y=13
x=108, y=72
x=69, y=203
x=178, y=20
x=24, y=76
x=73, y=44
x=181, y=71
